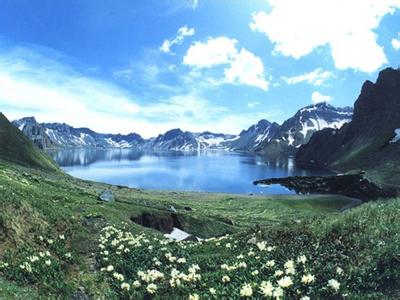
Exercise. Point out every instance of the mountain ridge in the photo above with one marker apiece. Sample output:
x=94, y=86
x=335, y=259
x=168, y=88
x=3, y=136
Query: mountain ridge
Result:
x=264, y=136
x=371, y=140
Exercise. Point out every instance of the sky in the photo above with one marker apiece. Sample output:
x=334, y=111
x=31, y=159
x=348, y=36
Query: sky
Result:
x=121, y=66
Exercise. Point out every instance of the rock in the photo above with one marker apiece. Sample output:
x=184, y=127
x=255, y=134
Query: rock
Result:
x=252, y=241
x=191, y=238
x=80, y=294
x=164, y=222
x=172, y=209
x=228, y=221
x=94, y=223
x=106, y=196
x=353, y=185
x=187, y=208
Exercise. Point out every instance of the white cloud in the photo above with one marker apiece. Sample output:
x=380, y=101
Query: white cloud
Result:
x=317, y=97
x=195, y=3
x=316, y=77
x=183, y=32
x=253, y=104
x=215, y=51
x=248, y=69
x=396, y=44
x=297, y=28
x=243, y=66
x=32, y=85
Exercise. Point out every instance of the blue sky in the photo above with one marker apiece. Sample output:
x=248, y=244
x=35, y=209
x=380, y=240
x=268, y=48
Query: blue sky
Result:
x=221, y=65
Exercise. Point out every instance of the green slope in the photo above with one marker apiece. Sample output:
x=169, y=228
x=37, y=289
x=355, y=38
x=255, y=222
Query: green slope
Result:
x=15, y=147
x=54, y=234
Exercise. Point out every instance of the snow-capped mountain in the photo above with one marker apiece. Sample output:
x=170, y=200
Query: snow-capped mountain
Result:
x=179, y=140
x=371, y=141
x=54, y=135
x=250, y=139
x=267, y=137
x=60, y=135
x=35, y=132
x=298, y=129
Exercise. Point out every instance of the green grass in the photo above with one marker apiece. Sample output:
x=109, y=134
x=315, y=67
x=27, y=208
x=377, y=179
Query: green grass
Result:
x=10, y=290
x=364, y=240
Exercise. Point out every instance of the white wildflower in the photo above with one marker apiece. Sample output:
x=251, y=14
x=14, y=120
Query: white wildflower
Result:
x=334, y=284
x=307, y=279
x=151, y=288
x=285, y=282
x=246, y=291
x=266, y=288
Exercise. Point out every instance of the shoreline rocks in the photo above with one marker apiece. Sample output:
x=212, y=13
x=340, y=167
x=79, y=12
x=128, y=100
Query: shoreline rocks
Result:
x=354, y=185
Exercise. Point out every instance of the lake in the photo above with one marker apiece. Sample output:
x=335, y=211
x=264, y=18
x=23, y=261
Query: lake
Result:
x=210, y=171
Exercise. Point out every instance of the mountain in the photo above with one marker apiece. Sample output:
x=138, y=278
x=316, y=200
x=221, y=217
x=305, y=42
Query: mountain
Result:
x=17, y=148
x=179, y=140
x=61, y=135
x=250, y=139
x=298, y=129
x=53, y=135
x=266, y=137
x=35, y=132
x=371, y=141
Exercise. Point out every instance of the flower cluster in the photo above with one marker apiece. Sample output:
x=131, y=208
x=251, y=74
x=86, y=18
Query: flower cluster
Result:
x=43, y=265
x=145, y=264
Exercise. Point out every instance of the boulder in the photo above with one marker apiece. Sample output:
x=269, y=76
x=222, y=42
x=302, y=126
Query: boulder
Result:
x=106, y=196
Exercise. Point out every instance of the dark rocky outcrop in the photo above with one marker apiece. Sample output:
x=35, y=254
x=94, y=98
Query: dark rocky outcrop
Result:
x=35, y=132
x=367, y=142
x=355, y=186
x=161, y=222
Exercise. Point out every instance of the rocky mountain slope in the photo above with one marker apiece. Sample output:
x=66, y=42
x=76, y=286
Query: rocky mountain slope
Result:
x=250, y=139
x=179, y=140
x=35, y=132
x=52, y=135
x=371, y=140
x=16, y=147
x=266, y=137
x=274, y=139
x=57, y=135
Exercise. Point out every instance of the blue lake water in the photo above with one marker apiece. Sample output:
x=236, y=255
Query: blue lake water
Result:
x=225, y=172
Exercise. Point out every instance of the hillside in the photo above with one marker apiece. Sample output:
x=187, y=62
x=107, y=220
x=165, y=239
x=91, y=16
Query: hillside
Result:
x=56, y=237
x=15, y=147
x=370, y=141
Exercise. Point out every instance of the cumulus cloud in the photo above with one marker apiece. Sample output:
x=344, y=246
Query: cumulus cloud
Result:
x=317, y=97
x=243, y=67
x=183, y=32
x=34, y=85
x=248, y=69
x=215, y=51
x=297, y=28
x=396, y=44
x=316, y=77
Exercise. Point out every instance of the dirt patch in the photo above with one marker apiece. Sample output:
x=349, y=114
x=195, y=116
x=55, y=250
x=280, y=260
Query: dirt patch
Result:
x=158, y=221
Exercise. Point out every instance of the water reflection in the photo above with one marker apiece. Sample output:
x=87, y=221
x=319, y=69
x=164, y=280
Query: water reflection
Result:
x=211, y=171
